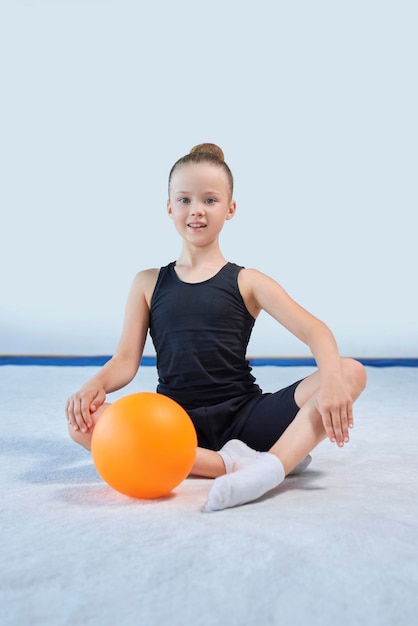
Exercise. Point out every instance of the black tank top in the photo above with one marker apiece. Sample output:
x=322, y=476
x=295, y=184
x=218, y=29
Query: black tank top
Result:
x=200, y=333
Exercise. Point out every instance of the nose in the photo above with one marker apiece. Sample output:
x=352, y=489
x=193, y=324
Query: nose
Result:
x=196, y=208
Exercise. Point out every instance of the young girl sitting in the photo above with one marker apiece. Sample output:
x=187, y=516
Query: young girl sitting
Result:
x=200, y=311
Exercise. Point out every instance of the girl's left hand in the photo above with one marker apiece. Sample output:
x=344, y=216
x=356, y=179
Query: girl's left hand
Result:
x=335, y=406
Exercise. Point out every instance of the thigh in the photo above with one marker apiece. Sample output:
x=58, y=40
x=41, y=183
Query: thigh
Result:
x=354, y=377
x=217, y=423
x=269, y=418
x=306, y=389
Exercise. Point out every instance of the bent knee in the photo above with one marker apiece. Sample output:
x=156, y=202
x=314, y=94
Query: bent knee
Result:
x=83, y=439
x=355, y=373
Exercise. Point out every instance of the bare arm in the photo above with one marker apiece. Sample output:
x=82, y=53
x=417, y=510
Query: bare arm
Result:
x=334, y=403
x=122, y=367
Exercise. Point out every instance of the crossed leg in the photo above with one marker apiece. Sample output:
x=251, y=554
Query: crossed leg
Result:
x=253, y=479
x=256, y=473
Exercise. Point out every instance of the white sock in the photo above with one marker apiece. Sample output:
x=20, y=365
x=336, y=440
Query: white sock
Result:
x=234, y=450
x=245, y=484
x=298, y=469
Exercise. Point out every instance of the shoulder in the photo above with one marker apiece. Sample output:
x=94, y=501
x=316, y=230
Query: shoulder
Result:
x=249, y=280
x=145, y=277
x=258, y=290
x=250, y=277
x=144, y=283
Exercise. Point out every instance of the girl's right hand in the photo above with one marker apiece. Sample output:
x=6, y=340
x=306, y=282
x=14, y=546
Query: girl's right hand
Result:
x=82, y=404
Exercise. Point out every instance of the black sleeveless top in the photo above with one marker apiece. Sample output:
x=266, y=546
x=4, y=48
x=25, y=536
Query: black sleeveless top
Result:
x=200, y=333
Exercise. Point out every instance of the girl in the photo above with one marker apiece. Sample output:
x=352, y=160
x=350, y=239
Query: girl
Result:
x=200, y=311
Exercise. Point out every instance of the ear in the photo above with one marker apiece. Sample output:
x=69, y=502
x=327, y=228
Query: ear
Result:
x=169, y=210
x=231, y=210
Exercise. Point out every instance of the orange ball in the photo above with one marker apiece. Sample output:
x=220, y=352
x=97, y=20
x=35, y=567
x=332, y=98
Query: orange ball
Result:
x=144, y=445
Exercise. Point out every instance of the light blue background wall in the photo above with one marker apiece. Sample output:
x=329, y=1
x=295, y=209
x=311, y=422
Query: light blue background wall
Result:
x=315, y=106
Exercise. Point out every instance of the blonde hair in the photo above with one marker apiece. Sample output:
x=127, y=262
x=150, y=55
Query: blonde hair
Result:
x=204, y=153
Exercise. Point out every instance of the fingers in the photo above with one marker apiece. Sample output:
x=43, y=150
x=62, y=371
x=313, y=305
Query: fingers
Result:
x=78, y=413
x=97, y=401
x=350, y=417
x=81, y=405
x=337, y=423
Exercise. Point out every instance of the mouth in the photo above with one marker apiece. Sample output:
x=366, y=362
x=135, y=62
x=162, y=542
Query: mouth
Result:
x=196, y=225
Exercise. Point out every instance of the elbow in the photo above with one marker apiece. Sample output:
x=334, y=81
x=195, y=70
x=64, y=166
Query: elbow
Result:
x=126, y=367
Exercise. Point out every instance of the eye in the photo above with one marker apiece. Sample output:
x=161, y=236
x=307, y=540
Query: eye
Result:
x=183, y=200
x=210, y=200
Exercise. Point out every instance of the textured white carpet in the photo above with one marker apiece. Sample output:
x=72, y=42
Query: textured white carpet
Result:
x=335, y=546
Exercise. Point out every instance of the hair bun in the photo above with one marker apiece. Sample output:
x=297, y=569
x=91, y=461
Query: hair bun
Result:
x=209, y=148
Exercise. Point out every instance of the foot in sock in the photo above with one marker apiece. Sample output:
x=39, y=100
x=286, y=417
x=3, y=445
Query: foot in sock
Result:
x=234, y=450
x=247, y=484
x=298, y=469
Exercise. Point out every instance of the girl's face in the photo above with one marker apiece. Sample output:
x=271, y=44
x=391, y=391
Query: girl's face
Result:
x=200, y=202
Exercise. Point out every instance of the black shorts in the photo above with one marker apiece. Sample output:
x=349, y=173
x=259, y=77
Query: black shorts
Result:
x=257, y=420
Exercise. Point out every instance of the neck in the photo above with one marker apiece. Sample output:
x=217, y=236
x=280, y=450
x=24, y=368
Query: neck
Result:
x=201, y=257
x=196, y=265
